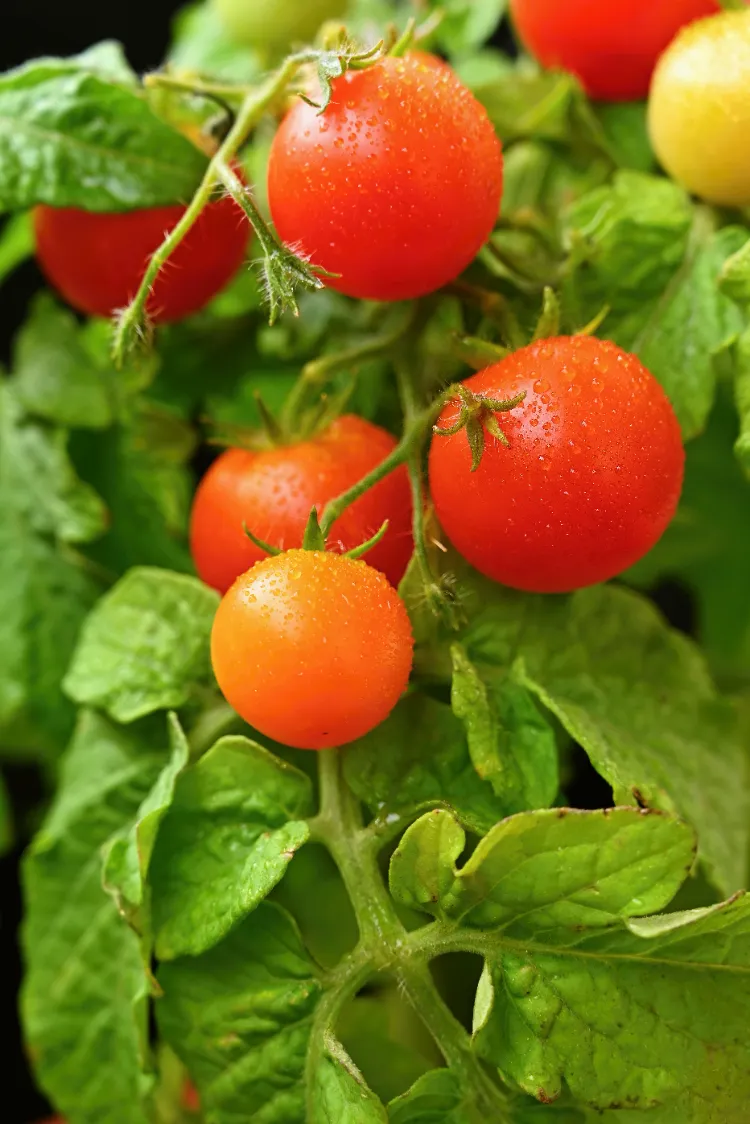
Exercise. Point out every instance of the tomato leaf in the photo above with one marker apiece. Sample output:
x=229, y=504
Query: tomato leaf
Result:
x=464, y=27
x=546, y=868
x=84, y=996
x=74, y=134
x=45, y=592
x=145, y=646
x=16, y=243
x=634, y=693
x=139, y=469
x=688, y=326
x=127, y=856
x=339, y=1091
x=416, y=759
x=555, y=901
x=540, y=1019
x=239, y=1016
x=56, y=376
x=707, y=546
x=231, y=830
x=510, y=742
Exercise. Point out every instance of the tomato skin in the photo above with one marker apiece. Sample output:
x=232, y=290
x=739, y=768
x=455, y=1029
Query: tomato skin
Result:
x=273, y=25
x=591, y=477
x=312, y=649
x=274, y=491
x=611, y=47
x=365, y=189
x=699, y=109
x=97, y=261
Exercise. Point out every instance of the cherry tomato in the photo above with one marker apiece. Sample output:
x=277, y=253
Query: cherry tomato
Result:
x=313, y=649
x=273, y=492
x=395, y=185
x=97, y=261
x=589, y=481
x=611, y=46
x=699, y=109
x=273, y=25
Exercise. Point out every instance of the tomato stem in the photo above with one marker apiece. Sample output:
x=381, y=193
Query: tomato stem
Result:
x=132, y=325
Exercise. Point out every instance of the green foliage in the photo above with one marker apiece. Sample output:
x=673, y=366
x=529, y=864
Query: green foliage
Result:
x=198, y=898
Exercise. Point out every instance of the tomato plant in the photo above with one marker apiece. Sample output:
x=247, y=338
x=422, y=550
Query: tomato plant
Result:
x=311, y=648
x=611, y=48
x=699, y=116
x=528, y=812
x=96, y=261
x=267, y=24
x=273, y=491
x=588, y=481
x=398, y=215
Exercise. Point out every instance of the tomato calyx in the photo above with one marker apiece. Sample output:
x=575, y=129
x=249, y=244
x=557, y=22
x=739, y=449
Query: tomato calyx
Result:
x=477, y=413
x=314, y=539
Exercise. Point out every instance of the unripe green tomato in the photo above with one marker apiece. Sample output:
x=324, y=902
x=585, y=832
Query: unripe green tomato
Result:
x=273, y=25
x=699, y=109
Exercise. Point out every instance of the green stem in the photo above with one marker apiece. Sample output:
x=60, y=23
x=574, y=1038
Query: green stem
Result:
x=133, y=319
x=414, y=434
x=384, y=944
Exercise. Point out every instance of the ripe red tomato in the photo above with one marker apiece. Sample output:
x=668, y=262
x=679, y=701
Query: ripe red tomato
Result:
x=612, y=47
x=590, y=479
x=395, y=186
x=97, y=261
x=313, y=649
x=273, y=492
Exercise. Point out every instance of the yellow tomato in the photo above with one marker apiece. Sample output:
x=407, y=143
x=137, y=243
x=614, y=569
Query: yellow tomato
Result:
x=699, y=108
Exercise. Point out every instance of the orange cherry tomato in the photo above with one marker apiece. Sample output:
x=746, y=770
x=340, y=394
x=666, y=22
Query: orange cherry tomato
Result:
x=312, y=649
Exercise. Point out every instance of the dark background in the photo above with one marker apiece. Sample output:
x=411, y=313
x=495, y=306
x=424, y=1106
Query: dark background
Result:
x=32, y=28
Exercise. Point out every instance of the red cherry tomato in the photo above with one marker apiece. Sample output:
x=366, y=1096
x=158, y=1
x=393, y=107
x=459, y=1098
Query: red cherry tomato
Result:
x=273, y=492
x=313, y=649
x=590, y=479
x=611, y=46
x=97, y=261
x=395, y=186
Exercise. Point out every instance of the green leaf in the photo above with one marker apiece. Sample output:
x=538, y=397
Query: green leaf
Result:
x=707, y=546
x=435, y=1098
x=37, y=480
x=201, y=45
x=44, y=591
x=416, y=759
x=635, y=694
x=734, y=278
x=232, y=828
x=145, y=646
x=73, y=135
x=239, y=1018
x=56, y=377
x=688, y=326
x=625, y=127
x=510, y=742
x=539, y=870
x=140, y=470
x=464, y=27
x=16, y=243
x=626, y=240
x=83, y=999
x=649, y=1013
x=339, y=1092
x=128, y=856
